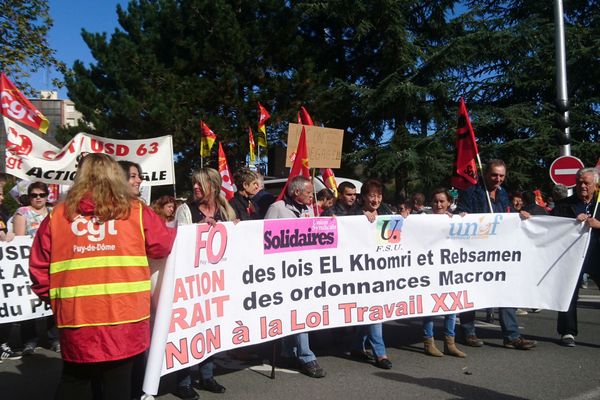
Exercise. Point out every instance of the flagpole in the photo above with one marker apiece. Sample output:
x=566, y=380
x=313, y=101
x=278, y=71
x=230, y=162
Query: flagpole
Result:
x=487, y=193
x=315, y=206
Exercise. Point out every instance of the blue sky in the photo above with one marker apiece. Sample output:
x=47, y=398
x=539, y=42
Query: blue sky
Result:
x=70, y=17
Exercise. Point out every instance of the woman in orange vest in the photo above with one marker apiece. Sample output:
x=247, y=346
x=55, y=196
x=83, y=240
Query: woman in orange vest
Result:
x=89, y=260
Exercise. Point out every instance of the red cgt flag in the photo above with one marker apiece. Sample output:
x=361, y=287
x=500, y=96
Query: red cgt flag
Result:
x=464, y=174
x=263, y=117
x=16, y=106
x=227, y=186
x=300, y=166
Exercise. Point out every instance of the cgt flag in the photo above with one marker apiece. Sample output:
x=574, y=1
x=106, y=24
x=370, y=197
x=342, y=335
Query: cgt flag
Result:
x=227, y=186
x=17, y=107
x=263, y=117
x=464, y=172
x=207, y=139
x=252, y=146
x=300, y=166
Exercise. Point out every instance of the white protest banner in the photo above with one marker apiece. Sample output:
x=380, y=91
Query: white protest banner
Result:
x=17, y=301
x=34, y=159
x=230, y=285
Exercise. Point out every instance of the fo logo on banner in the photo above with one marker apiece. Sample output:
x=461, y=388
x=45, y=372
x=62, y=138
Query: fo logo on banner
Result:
x=486, y=227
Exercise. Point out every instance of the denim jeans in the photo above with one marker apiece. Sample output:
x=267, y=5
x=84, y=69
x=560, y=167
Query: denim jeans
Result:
x=373, y=335
x=298, y=346
x=449, y=322
x=508, y=323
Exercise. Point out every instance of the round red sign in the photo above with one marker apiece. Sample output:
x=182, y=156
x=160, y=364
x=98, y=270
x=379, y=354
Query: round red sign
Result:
x=563, y=170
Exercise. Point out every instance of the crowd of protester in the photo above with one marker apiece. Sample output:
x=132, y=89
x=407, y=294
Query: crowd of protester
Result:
x=103, y=351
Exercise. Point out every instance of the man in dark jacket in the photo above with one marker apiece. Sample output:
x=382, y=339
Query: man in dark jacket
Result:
x=478, y=199
x=583, y=207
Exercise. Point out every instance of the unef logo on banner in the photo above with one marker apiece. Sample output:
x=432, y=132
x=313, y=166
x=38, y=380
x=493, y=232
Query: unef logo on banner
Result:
x=389, y=232
x=486, y=226
x=212, y=241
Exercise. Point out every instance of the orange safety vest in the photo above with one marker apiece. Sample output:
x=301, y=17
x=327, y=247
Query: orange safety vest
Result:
x=99, y=273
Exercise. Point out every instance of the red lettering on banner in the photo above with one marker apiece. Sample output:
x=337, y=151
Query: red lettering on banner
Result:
x=212, y=256
x=275, y=328
x=173, y=352
x=199, y=285
x=202, y=311
x=206, y=343
x=460, y=301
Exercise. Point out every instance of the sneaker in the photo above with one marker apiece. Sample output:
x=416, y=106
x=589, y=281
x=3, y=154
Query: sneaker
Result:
x=186, y=393
x=6, y=353
x=520, y=311
x=535, y=310
x=212, y=386
x=520, y=344
x=568, y=340
x=473, y=341
x=28, y=350
x=312, y=369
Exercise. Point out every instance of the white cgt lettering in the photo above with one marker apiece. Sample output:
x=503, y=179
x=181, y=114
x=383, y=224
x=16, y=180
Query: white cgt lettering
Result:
x=95, y=232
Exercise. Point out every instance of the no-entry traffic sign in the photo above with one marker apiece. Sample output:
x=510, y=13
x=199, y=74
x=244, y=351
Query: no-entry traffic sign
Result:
x=563, y=170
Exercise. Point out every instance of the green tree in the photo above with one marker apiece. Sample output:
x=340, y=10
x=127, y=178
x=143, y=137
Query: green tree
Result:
x=24, y=48
x=509, y=81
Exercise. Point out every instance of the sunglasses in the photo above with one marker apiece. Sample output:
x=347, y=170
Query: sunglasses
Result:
x=38, y=195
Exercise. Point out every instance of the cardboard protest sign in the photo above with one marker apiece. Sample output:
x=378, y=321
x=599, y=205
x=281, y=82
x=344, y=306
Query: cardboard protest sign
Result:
x=324, y=145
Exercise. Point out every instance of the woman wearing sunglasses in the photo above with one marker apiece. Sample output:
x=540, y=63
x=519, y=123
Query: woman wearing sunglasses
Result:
x=28, y=219
x=26, y=222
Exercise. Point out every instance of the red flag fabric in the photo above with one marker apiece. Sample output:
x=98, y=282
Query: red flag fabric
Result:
x=304, y=117
x=300, y=166
x=263, y=116
x=16, y=106
x=206, y=140
x=539, y=198
x=464, y=172
x=227, y=186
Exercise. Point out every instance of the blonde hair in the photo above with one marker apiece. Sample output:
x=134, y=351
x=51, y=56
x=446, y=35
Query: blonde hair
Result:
x=209, y=181
x=100, y=177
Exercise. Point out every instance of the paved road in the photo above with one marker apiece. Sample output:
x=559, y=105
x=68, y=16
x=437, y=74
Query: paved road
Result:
x=549, y=371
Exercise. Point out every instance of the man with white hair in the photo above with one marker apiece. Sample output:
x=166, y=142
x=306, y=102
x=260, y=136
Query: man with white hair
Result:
x=297, y=203
x=582, y=207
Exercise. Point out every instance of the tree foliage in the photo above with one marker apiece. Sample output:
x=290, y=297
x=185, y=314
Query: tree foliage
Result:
x=387, y=72
x=24, y=48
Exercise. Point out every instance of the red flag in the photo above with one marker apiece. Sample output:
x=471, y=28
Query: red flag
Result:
x=206, y=140
x=464, y=172
x=300, y=166
x=227, y=186
x=262, y=130
x=539, y=199
x=17, y=107
x=304, y=117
